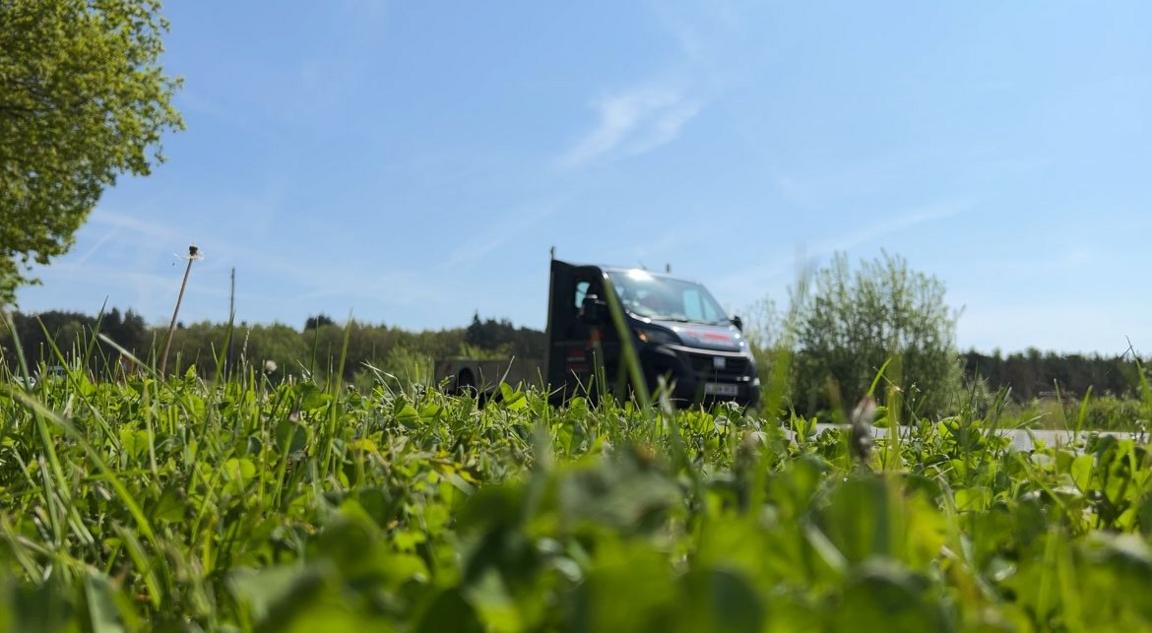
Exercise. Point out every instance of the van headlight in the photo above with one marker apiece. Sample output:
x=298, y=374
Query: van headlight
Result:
x=656, y=336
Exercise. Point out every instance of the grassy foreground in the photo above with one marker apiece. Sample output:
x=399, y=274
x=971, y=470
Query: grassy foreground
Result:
x=182, y=505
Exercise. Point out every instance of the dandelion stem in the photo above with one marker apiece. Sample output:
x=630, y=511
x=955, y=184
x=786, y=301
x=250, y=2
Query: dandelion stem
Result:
x=192, y=254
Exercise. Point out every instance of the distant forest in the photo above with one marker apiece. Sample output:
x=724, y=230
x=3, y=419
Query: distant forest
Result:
x=282, y=349
x=316, y=349
x=1031, y=374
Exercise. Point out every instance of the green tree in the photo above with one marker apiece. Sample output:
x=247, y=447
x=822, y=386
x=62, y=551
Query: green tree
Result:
x=852, y=322
x=83, y=99
x=320, y=320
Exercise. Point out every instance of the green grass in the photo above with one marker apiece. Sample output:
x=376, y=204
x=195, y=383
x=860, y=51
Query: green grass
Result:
x=138, y=503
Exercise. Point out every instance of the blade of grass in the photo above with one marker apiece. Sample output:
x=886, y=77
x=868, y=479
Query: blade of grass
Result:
x=630, y=360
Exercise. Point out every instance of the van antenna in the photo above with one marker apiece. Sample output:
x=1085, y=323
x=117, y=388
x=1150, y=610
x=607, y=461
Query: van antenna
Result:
x=552, y=252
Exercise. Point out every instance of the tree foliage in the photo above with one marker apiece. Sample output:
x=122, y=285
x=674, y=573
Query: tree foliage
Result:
x=852, y=322
x=83, y=99
x=319, y=320
x=500, y=335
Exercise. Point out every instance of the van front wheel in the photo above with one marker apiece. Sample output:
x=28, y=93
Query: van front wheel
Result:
x=466, y=383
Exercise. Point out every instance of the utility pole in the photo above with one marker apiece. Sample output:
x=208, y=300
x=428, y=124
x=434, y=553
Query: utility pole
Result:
x=232, y=298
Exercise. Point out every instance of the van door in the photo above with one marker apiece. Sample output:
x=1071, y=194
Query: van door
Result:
x=578, y=348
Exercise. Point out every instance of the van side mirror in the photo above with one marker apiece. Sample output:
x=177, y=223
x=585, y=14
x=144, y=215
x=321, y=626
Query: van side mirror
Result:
x=738, y=322
x=592, y=310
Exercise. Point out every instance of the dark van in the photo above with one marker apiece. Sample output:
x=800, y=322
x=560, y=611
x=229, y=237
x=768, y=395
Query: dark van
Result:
x=677, y=328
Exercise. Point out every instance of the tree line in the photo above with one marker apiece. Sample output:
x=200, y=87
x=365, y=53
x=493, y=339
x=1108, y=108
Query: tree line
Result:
x=1031, y=373
x=277, y=349
x=316, y=349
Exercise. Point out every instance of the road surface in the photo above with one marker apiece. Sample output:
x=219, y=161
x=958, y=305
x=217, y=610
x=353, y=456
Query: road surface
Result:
x=1022, y=439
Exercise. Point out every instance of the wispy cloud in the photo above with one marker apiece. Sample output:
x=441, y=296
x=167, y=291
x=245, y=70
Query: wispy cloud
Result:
x=714, y=47
x=632, y=122
x=704, y=31
x=95, y=248
x=758, y=279
x=497, y=235
x=884, y=228
x=132, y=224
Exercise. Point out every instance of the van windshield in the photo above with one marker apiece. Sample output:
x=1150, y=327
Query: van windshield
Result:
x=666, y=299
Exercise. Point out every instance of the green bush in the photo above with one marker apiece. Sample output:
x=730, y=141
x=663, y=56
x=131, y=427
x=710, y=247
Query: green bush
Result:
x=848, y=324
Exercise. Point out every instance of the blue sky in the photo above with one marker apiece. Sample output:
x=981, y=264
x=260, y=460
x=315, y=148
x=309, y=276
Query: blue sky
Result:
x=412, y=162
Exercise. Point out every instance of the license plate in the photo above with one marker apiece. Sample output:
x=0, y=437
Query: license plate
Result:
x=721, y=389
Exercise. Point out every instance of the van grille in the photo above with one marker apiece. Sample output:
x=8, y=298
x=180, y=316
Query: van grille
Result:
x=734, y=366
